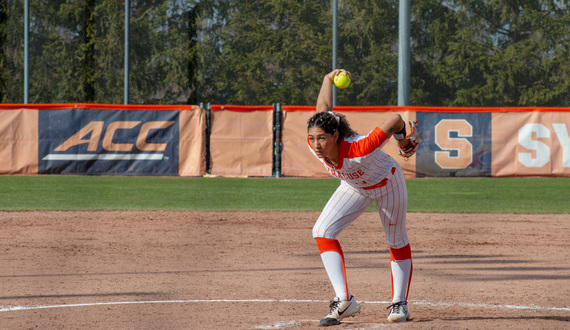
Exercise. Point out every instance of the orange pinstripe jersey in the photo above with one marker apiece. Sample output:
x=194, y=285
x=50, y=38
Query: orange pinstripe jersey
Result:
x=362, y=163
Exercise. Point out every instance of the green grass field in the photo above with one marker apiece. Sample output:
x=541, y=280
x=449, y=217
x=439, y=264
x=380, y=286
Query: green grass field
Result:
x=476, y=195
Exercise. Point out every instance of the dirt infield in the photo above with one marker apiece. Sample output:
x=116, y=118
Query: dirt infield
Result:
x=261, y=270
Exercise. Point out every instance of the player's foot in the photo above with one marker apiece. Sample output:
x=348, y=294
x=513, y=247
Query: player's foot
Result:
x=340, y=310
x=398, y=312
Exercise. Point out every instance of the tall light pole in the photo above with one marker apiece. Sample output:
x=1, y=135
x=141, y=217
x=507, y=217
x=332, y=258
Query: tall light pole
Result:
x=404, y=53
x=26, y=51
x=126, y=69
x=334, y=43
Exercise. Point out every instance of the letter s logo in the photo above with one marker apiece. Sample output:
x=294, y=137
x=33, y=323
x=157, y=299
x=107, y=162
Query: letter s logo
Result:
x=542, y=151
x=460, y=144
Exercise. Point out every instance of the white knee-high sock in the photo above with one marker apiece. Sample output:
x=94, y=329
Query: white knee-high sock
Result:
x=333, y=260
x=402, y=268
x=401, y=272
x=334, y=266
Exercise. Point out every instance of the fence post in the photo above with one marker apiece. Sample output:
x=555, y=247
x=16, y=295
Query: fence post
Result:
x=26, y=51
x=277, y=117
x=208, y=132
x=126, y=59
x=404, y=53
x=334, y=45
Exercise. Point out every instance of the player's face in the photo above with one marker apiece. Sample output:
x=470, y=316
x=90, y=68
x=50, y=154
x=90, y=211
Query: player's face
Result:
x=324, y=144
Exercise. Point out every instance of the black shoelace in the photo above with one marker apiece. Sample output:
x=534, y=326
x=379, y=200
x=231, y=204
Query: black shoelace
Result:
x=396, y=307
x=334, y=305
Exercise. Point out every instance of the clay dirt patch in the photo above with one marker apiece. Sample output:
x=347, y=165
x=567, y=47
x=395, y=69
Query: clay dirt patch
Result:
x=261, y=270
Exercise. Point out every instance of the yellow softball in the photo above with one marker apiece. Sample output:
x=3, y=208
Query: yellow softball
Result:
x=342, y=80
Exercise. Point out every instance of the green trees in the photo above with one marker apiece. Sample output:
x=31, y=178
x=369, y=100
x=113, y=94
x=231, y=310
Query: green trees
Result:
x=260, y=52
x=3, y=68
x=77, y=51
x=491, y=53
x=464, y=52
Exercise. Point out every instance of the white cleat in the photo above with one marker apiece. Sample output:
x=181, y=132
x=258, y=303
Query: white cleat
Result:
x=398, y=312
x=340, y=310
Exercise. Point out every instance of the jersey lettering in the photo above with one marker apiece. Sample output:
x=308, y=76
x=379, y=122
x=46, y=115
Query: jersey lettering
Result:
x=351, y=176
x=362, y=162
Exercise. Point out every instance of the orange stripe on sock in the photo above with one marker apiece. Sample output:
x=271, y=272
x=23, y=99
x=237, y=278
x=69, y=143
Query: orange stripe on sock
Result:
x=332, y=245
x=401, y=254
x=410, y=280
x=327, y=244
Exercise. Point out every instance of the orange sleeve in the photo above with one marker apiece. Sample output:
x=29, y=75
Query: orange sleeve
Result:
x=366, y=145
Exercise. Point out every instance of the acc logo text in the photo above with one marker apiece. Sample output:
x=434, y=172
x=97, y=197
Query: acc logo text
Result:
x=92, y=133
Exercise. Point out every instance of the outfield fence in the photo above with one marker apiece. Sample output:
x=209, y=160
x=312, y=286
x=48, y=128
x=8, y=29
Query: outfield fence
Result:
x=270, y=140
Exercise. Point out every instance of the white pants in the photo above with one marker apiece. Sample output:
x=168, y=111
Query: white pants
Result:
x=347, y=203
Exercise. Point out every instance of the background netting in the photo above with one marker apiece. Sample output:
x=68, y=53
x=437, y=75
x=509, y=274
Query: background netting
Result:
x=463, y=52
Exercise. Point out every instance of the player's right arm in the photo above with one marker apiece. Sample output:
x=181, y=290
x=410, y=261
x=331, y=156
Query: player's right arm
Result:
x=325, y=99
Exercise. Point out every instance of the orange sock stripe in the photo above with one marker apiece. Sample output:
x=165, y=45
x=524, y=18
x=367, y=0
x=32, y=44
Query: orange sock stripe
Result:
x=409, y=280
x=327, y=244
x=332, y=245
x=401, y=254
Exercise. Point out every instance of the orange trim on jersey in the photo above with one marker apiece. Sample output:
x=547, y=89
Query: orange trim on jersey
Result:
x=401, y=254
x=358, y=148
x=363, y=146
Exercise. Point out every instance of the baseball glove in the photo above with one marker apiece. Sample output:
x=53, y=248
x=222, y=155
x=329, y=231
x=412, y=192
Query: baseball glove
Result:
x=411, y=149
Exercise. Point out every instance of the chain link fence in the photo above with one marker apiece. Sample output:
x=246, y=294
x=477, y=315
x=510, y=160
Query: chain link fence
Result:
x=77, y=51
x=464, y=53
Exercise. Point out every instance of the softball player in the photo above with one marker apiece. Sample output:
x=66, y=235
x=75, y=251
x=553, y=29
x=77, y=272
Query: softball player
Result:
x=367, y=174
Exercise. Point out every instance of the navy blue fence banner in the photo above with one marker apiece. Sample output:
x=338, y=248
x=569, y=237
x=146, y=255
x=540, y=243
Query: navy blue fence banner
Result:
x=454, y=144
x=108, y=142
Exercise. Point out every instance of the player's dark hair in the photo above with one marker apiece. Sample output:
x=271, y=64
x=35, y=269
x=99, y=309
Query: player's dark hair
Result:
x=331, y=122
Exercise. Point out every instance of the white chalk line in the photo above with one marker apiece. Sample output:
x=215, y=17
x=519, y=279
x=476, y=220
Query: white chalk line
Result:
x=412, y=302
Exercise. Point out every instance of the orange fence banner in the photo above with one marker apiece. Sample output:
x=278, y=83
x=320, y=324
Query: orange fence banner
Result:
x=531, y=144
x=102, y=139
x=192, y=144
x=462, y=142
x=267, y=140
x=19, y=141
x=241, y=141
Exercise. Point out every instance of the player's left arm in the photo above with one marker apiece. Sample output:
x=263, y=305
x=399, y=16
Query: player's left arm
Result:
x=396, y=126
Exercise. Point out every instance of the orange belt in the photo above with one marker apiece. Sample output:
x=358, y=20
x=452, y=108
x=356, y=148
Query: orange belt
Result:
x=378, y=185
x=381, y=183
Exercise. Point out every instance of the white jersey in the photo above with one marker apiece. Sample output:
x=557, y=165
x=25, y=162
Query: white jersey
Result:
x=362, y=163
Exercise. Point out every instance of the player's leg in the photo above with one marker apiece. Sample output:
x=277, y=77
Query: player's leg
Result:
x=401, y=268
x=344, y=206
x=392, y=207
